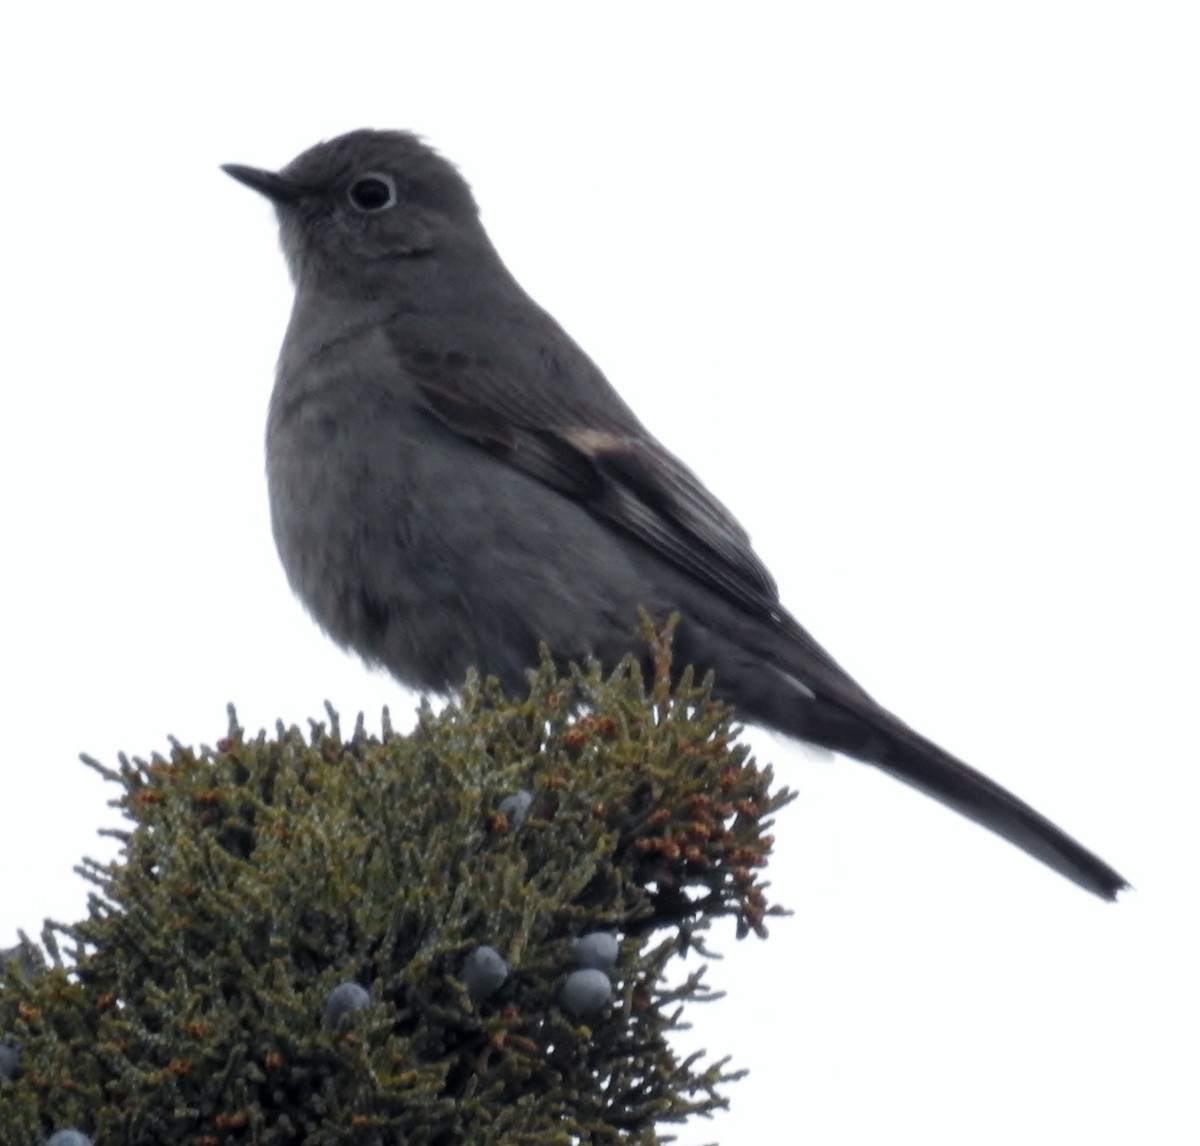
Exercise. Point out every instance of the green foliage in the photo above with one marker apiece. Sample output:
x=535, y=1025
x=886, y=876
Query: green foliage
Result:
x=258, y=875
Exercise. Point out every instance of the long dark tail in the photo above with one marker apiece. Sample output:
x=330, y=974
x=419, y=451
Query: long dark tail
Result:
x=879, y=738
x=808, y=695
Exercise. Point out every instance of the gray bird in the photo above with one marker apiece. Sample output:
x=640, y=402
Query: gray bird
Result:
x=453, y=480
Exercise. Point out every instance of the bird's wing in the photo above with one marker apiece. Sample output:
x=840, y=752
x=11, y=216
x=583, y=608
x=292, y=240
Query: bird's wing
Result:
x=566, y=426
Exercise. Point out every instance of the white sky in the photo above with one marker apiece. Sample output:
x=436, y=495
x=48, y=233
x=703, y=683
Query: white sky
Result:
x=913, y=287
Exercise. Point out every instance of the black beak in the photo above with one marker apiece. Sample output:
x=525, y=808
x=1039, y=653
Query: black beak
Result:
x=274, y=187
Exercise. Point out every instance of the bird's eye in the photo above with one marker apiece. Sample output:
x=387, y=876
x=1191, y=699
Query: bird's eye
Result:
x=373, y=192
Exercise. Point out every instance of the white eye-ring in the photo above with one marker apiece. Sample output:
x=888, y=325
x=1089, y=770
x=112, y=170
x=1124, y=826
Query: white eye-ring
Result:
x=373, y=192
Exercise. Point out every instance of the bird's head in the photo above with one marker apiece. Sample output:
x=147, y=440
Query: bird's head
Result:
x=351, y=207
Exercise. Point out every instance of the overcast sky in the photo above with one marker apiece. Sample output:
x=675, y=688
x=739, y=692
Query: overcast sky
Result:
x=913, y=287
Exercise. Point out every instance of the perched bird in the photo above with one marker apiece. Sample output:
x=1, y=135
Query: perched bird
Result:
x=453, y=481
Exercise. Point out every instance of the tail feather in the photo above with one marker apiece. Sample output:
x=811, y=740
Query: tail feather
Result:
x=889, y=744
x=780, y=677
